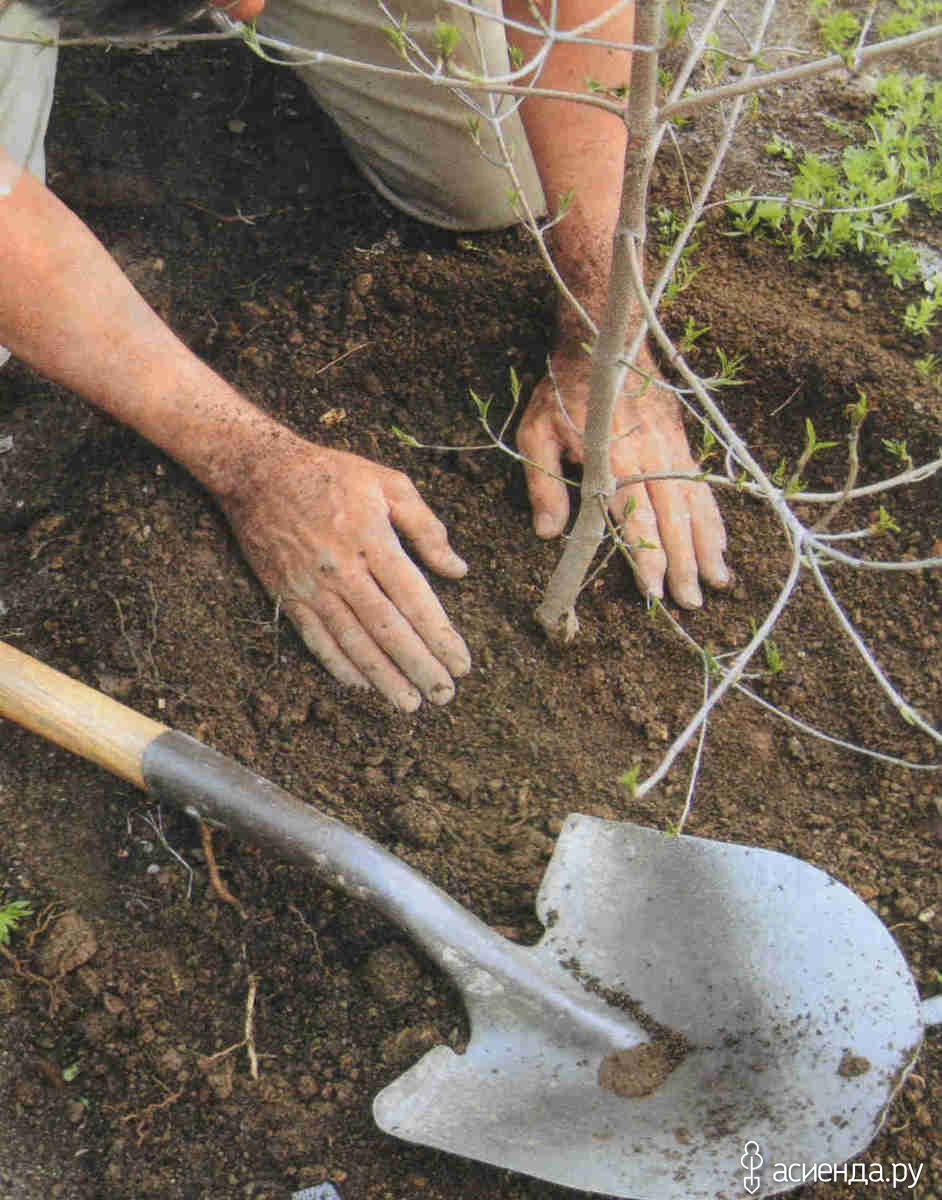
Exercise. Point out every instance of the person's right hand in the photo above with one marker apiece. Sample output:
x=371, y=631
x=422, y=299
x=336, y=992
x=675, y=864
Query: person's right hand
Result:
x=317, y=527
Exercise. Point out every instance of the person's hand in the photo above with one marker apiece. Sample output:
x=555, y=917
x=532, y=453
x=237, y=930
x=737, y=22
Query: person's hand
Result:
x=677, y=518
x=316, y=526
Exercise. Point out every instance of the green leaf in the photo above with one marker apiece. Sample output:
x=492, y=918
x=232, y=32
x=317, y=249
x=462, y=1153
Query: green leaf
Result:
x=405, y=438
x=445, y=39
x=11, y=916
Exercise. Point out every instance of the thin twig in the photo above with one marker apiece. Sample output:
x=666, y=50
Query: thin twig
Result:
x=215, y=879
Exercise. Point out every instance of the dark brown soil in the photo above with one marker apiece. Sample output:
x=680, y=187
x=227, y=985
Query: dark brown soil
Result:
x=269, y=255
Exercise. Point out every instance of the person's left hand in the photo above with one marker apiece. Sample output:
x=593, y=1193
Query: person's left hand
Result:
x=678, y=519
x=318, y=527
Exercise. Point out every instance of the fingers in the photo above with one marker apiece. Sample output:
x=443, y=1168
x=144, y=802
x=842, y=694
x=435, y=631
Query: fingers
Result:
x=395, y=637
x=709, y=537
x=420, y=608
x=680, y=519
x=549, y=497
x=413, y=517
x=322, y=645
x=640, y=532
x=670, y=500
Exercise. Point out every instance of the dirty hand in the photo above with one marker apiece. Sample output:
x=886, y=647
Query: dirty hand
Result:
x=679, y=519
x=316, y=526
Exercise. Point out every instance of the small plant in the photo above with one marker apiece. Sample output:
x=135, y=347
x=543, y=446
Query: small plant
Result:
x=811, y=448
x=838, y=28
x=920, y=318
x=731, y=366
x=860, y=203
x=445, y=39
x=897, y=449
x=12, y=915
x=779, y=147
x=691, y=335
x=884, y=523
x=677, y=18
x=927, y=368
x=774, y=663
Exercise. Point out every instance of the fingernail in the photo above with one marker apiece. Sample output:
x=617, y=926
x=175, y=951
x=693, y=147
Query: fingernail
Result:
x=441, y=693
x=408, y=701
x=688, y=595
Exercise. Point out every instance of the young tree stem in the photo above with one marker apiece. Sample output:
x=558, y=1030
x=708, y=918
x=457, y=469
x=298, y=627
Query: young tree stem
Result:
x=556, y=613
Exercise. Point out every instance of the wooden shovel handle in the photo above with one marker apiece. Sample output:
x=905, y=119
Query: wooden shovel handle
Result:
x=75, y=716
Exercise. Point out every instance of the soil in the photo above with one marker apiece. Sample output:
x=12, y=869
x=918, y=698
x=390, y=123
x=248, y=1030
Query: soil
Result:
x=230, y=201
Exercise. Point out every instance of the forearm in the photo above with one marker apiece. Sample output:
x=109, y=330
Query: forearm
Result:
x=580, y=149
x=74, y=317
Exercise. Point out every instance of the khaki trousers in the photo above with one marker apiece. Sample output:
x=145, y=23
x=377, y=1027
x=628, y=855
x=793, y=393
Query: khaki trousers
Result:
x=411, y=138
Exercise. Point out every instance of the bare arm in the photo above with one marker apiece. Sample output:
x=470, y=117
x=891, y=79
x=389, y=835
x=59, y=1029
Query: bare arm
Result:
x=316, y=525
x=581, y=149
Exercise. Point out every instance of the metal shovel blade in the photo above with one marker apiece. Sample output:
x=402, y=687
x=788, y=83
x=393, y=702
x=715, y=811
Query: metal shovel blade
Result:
x=798, y=1012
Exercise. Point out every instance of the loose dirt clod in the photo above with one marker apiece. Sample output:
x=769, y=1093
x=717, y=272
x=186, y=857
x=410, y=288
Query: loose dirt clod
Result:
x=71, y=942
x=635, y=1072
x=852, y=1065
x=391, y=974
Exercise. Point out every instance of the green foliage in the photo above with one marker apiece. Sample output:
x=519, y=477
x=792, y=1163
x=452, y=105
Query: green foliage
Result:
x=731, y=366
x=677, y=18
x=629, y=780
x=565, y=202
x=838, y=28
x=928, y=367
x=920, y=316
x=445, y=39
x=405, y=438
x=779, y=147
x=12, y=916
x=774, y=663
x=860, y=201
x=515, y=54
x=910, y=16
x=858, y=412
x=707, y=446
x=714, y=60
x=898, y=450
x=396, y=36
x=668, y=226
x=691, y=334
x=884, y=523
x=595, y=88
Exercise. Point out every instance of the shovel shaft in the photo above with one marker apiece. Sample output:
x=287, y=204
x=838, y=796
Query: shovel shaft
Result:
x=182, y=771
x=75, y=716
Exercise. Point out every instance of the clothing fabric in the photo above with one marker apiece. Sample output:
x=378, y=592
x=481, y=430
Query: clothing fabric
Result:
x=410, y=138
x=27, y=77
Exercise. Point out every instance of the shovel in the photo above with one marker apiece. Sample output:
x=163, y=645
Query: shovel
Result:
x=698, y=1020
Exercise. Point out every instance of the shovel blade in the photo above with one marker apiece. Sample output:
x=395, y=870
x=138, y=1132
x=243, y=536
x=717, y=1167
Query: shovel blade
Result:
x=799, y=1011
